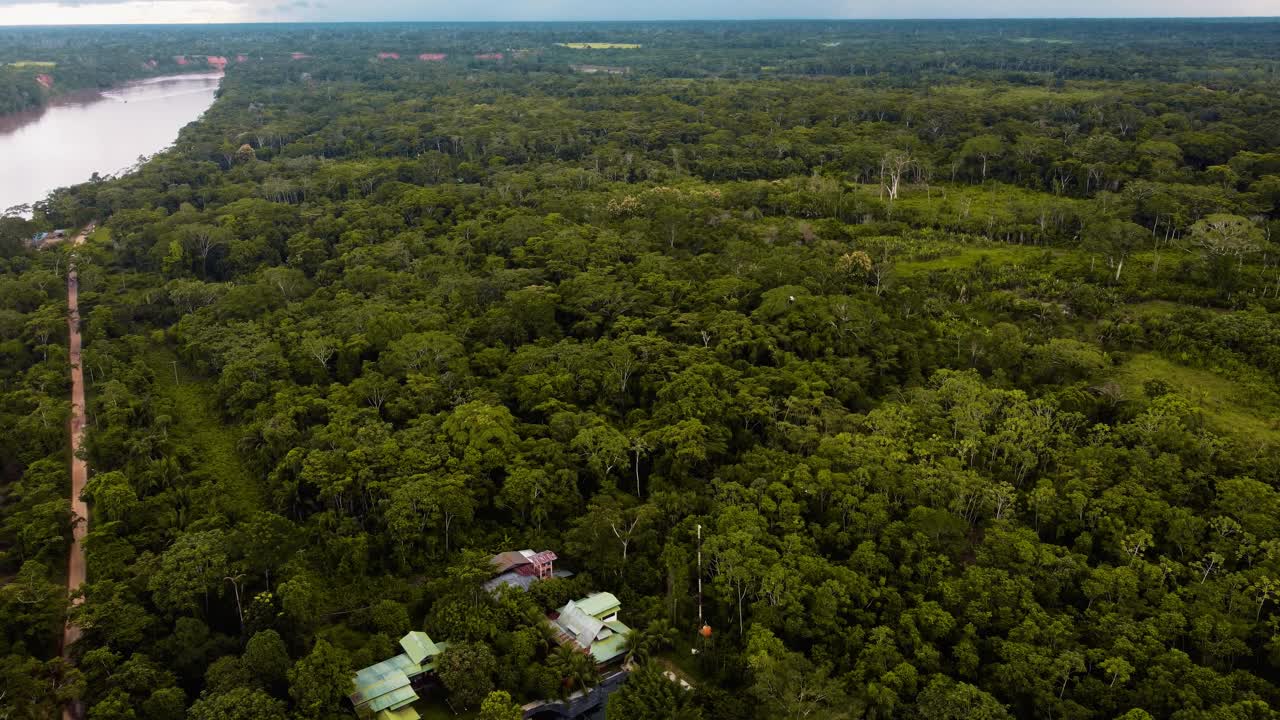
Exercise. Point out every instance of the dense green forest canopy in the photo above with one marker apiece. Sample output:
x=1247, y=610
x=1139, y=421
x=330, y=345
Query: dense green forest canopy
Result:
x=959, y=342
x=897, y=52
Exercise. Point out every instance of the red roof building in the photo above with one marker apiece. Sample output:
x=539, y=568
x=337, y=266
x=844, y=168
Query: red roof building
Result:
x=522, y=568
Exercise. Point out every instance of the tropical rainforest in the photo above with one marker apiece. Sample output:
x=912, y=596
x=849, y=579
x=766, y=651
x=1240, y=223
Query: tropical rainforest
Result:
x=941, y=356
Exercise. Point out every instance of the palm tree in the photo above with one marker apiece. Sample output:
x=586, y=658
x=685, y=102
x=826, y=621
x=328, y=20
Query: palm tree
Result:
x=641, y=644
x=577, y=670
x=546, y=631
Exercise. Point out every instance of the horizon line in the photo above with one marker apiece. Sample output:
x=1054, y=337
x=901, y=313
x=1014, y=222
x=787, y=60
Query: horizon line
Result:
x=1024, y=18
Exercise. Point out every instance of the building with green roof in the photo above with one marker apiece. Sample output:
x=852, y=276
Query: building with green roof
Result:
x=404, y=713
x=592, y=625
x=600, y=605
x=418, y=646
x=385, y=690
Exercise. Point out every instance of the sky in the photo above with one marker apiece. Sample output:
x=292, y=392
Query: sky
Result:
x=68, y=12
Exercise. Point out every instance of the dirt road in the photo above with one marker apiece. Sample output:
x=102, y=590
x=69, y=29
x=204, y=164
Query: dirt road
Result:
x=79, y=468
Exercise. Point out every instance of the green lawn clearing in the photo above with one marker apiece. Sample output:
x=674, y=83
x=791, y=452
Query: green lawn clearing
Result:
x=967, y=258
x=1244, y=409
x=197, y=424
x=600, y=46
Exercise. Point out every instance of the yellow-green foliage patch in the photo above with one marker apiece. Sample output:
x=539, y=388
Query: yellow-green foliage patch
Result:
x=1245, y=408
x=965, y=258
x=101, y=236
x=196, y=424
x=974, y=199
x=600, y=46
x=1159, y=308
x=33, y=64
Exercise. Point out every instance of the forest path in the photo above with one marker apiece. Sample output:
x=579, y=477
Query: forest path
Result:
x=79, y=468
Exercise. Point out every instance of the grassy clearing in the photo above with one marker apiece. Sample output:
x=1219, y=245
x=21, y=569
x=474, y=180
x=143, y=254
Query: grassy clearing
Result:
x=686, y=670
x=1164, y=308
x=960, y=201
x=966, y=258
x=600, y=46
x=1246, y=409
x=197, y=425
x=684, y=664
x=33, y=64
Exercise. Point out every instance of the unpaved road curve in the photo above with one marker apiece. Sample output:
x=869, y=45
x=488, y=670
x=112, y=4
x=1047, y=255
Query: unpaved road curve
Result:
x=79, y=468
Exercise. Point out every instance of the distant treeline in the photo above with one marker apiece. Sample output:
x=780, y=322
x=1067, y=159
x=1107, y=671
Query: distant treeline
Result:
x=895, y=53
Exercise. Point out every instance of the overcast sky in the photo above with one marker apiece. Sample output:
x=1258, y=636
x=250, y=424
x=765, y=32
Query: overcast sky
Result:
x=25, y=12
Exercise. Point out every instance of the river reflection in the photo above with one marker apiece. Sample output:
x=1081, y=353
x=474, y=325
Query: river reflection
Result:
x=78, y=135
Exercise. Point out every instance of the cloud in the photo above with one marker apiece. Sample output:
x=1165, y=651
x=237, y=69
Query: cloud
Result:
x=83, y=3
x=128, y=12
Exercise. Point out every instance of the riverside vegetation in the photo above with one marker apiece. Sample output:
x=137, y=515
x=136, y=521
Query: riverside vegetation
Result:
x=958, y=340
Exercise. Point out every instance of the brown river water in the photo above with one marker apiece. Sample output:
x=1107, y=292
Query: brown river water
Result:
x=103, y=132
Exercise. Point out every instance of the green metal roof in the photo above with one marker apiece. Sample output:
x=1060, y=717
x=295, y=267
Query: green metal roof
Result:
x=407, y=701
x=381, y=685
x=404, y=713
x=418, y=646
x=430, y=664
x=395, y=699
x=385, y=685
x=599, y=605
x=374, y=673
x=613, y=646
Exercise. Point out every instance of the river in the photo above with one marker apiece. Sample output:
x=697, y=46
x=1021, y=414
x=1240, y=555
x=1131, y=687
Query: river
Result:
x=104, y=132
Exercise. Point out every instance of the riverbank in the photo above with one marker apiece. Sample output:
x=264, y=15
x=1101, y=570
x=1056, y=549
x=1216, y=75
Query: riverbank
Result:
x=103, y=133
x=54, y=87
